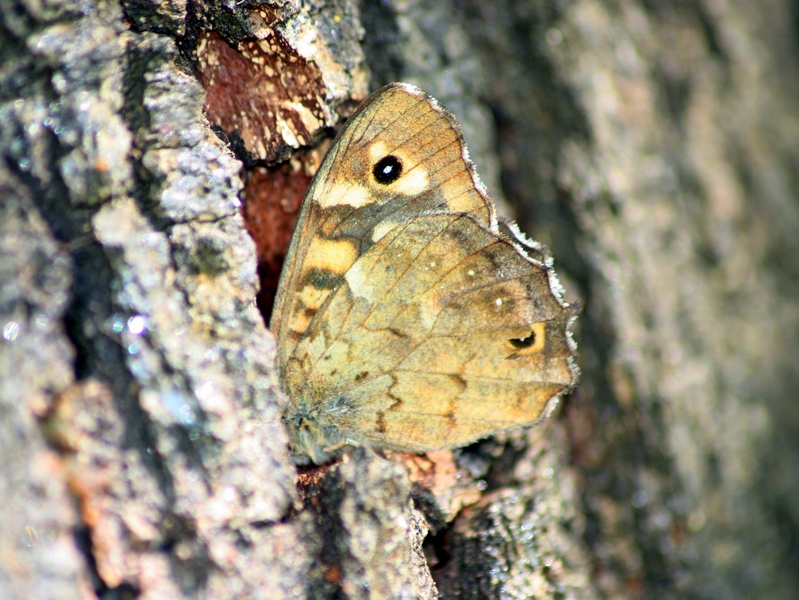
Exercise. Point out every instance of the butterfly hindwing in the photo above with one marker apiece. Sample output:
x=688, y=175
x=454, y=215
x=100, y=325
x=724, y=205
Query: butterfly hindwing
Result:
x=440, y=350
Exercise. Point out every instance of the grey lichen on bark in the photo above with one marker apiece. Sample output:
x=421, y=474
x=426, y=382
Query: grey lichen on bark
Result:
x=162, y=409
x=371, y=533
x=37, y=513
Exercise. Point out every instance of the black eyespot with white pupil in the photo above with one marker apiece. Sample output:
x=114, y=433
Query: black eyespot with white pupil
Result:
x=387, y=169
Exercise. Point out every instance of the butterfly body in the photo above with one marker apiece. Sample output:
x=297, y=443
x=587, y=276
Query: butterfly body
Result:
x=406, y=317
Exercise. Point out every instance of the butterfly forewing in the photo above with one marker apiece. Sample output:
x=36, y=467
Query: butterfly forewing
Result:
x=347, y=209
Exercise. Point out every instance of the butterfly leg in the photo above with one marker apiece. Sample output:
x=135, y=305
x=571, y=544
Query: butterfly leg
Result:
x=340, y=445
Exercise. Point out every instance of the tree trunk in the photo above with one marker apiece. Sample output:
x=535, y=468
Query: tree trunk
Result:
x=653, y=146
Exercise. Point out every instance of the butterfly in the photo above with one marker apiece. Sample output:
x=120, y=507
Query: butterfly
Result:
x=407, y=316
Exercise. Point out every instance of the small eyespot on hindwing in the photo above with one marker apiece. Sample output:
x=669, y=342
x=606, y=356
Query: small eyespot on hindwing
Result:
x=526, y=342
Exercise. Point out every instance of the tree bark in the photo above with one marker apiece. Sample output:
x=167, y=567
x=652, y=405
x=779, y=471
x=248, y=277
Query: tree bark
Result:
x=653, y=146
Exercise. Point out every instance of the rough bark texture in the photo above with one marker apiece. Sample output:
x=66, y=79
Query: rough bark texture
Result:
x=654, y=146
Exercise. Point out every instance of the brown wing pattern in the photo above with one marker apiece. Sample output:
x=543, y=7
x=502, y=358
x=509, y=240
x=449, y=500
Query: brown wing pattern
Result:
x=404, y=316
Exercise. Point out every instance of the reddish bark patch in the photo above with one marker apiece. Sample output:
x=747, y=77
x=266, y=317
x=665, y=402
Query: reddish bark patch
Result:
x=262, y=94
x=272, y=199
